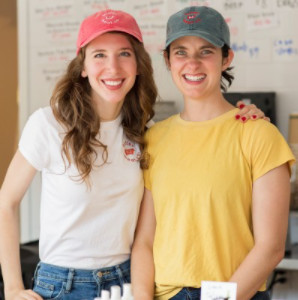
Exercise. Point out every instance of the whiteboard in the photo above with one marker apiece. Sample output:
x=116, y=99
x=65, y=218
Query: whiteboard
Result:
x=264, y=37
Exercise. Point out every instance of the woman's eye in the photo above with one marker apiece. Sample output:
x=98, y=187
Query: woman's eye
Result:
x=206, y=52
x=180, y=52
x=125, y=53
x=99, y=55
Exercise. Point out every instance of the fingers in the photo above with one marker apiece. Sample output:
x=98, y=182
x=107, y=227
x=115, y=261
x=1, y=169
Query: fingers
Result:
x=240, y=104
x=267, y=119
x=25, y=295
x=249, y=112
x=34, y=295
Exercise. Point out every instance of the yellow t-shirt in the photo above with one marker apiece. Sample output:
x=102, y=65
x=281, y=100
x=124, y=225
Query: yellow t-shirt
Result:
x=201, y=175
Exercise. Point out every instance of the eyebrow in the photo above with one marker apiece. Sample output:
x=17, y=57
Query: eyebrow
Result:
x=104, y=50
x=203, y=47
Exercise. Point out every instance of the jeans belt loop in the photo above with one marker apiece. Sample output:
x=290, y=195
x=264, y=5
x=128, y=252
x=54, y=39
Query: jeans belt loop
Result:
x=69, y=280
x=119, y=271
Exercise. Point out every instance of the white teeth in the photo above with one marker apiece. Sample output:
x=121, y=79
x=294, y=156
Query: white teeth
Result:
x=194, y=78
x=113, y=83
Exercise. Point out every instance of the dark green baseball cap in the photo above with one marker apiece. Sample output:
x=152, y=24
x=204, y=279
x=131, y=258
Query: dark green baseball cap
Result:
x=202, y=21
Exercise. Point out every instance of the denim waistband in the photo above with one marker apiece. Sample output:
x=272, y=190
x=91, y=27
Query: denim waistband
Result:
x=81, y=275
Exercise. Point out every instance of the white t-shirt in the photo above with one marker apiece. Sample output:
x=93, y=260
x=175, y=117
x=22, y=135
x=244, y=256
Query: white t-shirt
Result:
x=83, y=228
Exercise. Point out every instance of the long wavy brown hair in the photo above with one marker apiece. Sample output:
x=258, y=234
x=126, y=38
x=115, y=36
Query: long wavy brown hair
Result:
x=73, y=108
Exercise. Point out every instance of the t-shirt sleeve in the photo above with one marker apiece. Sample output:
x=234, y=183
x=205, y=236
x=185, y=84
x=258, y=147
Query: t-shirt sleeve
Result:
x=33, y=143
x=265, y=148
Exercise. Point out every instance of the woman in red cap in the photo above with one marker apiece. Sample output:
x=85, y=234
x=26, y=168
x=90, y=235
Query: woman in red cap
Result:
x=89, y=147
x=216, y=199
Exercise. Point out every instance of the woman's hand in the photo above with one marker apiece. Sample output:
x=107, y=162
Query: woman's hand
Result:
x=249, y=112
x=23, y=295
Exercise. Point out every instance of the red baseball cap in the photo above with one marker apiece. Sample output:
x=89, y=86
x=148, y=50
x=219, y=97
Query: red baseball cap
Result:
x=107, y=21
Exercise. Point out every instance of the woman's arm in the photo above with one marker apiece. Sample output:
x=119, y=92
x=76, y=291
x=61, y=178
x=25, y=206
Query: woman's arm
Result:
x=142, y=266
x=17, y=180
x=270, y=209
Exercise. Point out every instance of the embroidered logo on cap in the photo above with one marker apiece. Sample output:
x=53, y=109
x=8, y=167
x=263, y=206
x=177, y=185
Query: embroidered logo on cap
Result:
x=131, y=150
x=191, y=17
x=110, y=18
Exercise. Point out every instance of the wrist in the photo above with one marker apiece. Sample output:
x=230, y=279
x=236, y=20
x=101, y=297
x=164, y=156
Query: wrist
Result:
x=8, y=291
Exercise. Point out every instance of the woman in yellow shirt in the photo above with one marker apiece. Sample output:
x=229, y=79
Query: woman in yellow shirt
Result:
x=217, y=191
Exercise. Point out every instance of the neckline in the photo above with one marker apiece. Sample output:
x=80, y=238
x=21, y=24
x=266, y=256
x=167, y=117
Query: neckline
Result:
x=106, y=125
x=220, y=118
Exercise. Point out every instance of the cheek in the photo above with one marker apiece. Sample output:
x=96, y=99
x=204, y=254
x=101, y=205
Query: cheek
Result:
x=93, y=71
x=130, y=69
x=175, y=66
x=92, y=66
x=217, y=66
x=130, y=65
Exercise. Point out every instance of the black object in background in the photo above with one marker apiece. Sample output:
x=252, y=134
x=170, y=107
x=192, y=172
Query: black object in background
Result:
x=29, y=259
x=263, y=100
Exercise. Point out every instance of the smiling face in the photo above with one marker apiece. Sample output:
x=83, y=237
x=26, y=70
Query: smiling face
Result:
x=196, y=67
x=111, y=67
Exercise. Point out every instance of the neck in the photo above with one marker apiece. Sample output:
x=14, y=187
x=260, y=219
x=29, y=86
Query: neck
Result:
x=199, y=110
x=108, y=112
x=109, y=117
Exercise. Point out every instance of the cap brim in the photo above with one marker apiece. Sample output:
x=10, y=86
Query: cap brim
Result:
x=96, y=34
x=202, y=34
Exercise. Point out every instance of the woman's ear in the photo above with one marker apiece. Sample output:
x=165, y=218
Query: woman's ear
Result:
x=228, y=60
x=83, y=73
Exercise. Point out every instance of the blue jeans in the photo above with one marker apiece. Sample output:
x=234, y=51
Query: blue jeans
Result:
x=195, y=294
x=53, y=282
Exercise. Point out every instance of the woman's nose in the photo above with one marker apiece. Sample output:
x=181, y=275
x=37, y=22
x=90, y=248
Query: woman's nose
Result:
x=113, y=63
x=194, y=60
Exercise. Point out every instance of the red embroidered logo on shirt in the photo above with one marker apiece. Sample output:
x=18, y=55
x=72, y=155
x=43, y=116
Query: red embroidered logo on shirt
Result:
x=191, y=17
x=131, y=150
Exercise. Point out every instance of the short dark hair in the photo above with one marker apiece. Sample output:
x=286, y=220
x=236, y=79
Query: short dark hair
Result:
x=226, y=74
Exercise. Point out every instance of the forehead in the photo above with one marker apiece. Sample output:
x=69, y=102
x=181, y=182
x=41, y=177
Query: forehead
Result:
x=110, y=40
x=191, y=40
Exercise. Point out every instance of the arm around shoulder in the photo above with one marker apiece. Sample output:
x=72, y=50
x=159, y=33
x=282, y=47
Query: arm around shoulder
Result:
x=142, y=265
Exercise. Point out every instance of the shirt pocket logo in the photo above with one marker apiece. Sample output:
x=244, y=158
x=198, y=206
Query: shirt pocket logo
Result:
x=131, y=150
